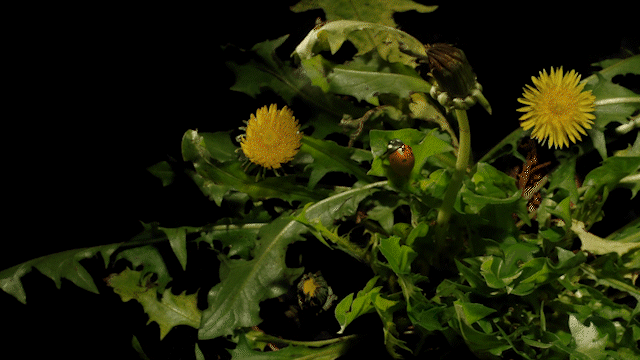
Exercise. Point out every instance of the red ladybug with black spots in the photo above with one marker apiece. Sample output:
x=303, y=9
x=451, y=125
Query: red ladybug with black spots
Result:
x=400, y=157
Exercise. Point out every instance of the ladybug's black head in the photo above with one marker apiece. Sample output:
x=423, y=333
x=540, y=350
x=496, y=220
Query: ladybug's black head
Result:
x=394, y=145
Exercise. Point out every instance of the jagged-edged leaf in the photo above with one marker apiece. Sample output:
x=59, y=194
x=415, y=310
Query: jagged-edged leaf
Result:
x=238, y=239
x=332, y=349
x=398, y=256
x=162, y=171
x=234, y=302
x=615, y=102
x=230, y=176
x=266, y=71
x=62, y=265
x=489, y=187
x=350, y=308
x=377, y=11
x=599, y=246
x=329, y=156
x=365, y=78
x=172, y=310
x=151, y=261
x=588, y=340
x=366, y=36
x=423, y=145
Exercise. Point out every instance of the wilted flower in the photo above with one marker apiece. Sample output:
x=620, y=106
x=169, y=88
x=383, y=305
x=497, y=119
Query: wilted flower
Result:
x=557, y=109
x=272, y=137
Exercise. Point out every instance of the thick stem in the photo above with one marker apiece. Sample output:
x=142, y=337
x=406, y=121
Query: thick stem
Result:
x=446, y=210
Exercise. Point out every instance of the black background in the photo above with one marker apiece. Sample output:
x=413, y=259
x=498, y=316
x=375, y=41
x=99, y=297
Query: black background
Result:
x=103, y=92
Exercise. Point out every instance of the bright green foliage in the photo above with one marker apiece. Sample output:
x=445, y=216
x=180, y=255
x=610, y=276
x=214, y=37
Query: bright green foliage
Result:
x=365, y=78
x=328, y=157
x=320, y=350
x=169, y=312
x=365, y=36
x=623, y=101
x=499, y=277
x=378, y=12
x=63, y=265
x=349, y=308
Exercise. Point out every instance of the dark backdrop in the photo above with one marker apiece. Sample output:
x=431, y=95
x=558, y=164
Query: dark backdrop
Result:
x=103, y=92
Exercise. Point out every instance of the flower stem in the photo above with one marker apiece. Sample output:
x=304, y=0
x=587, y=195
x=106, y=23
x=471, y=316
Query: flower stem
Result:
x=464, y=151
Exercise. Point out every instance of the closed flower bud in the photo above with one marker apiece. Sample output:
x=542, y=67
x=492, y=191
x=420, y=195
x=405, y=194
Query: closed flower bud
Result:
x=456, y=86
x=449, y=66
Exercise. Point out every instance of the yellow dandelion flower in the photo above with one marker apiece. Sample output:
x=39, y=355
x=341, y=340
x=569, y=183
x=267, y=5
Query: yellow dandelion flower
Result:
x=557, y=109
x=272, y=137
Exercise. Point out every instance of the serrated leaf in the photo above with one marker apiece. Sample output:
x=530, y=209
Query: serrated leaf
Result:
x=588, y=340
x=472, y=312
x=606, y=93
x=169, y=312
x=58, y=266
x=350, y=308
x=598, y=245
x=491, y=187
x=162, y=171
x=377, y=11
x=178, y=241
x=365, y=78
x=366, y=36
x=151, y=261
x=330, y=157
x=299, y=350
x=266, y=71
x=231, y=176
x=423, y=146
x=234, y=302
x=399, y=256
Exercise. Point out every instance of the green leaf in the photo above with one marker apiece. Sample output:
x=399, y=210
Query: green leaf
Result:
x=377, y=11
x=600, y=246
x=398, y=256
x=62, y=265
x=365, y=36
x=266, y=71
x=473, y=312
x=151, y=261
x=348, y=309
x=479, y=341
x=331, y=157
x=606, y=93
x=234, y=302
x=423, y=146
x=365, y=78
x=162, y=171
x=295, y=350
x=491, y=187
x=216, y=180
x=587, y=339
x=178, y=241
x=169, y=312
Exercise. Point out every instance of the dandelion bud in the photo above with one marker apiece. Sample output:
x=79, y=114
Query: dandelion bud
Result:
x=454, y=78
x=449, y=66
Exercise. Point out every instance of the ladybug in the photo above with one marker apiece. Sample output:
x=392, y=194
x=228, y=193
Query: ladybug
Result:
x=400, y=157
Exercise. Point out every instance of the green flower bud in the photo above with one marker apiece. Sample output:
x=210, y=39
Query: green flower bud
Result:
x=456, y=85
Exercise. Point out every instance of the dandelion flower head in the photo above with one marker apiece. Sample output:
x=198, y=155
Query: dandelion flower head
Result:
x=557, y=109
x=272, y=137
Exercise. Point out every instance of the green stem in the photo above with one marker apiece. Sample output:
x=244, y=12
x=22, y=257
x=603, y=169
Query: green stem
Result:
x=464, y=151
